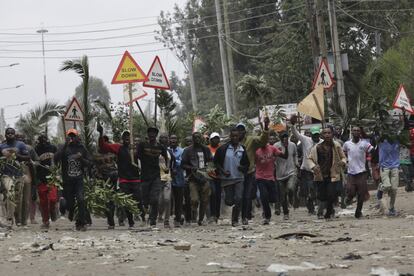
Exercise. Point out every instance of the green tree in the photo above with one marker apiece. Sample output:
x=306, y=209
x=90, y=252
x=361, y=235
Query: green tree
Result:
x=81, y=67
x=33, y=123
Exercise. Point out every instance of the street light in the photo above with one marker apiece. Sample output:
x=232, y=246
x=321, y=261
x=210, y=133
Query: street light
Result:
x=13, y=87
x=10, y=65
x=42, y=31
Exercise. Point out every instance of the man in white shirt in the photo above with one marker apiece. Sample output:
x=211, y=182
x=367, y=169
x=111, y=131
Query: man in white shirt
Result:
x=356, y=151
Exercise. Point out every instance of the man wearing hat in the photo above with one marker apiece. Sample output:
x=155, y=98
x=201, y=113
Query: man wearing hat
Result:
x=306, y=173
x=251, y=143
x=149, y=153
x=75, y=160
x=215, y=185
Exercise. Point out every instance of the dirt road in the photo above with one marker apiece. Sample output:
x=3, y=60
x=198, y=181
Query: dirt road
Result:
x=344, y=246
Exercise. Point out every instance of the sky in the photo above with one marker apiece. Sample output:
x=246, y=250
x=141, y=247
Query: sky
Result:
x=65, y=21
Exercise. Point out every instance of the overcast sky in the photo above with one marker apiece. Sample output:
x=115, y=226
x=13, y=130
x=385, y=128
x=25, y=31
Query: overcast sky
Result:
x=19, y=21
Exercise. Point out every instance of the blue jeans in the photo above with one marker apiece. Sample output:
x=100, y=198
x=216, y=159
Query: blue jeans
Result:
x=233, y=197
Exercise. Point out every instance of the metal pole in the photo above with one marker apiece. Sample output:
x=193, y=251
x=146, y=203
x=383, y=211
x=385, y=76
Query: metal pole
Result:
x=155, y=107
x=42, y=32
x=224, y=68
x=337, y=58
x=142, y=113
x=131, y=123
x=190, y=68
x=230, y=57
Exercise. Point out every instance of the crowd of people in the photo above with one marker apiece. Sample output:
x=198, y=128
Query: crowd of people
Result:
x=278, y=171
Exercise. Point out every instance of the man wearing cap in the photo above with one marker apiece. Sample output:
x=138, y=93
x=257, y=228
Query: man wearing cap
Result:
x=215, y=185
x=306, y=173
x=251, y=143
x=286, y=174
x=13, y=152
x=148, y=153
x=75, y=160
x=48, y=194
x=128, y=172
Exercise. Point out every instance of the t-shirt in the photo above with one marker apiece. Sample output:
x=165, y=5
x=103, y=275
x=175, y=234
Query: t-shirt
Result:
x=405, y=158
x=46, y=153
x=149, y=156
x=196, y=157
x=325, y=158
x=73, y=167
x=285, y=168
x=357, y=155
x=265, y=162
x=389, y=155
x=232, y=162
x=213, y=149
x=12, y=169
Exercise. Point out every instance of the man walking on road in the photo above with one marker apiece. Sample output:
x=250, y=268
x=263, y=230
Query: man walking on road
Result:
x=356, y=151
x=75, y=160
x=48, y=193
x=286, y=172
x=215, y=185
x=307, y=143
x=196, y=159
x=149, y=155
x=326, y=160
x=232, y=163
x=251, y=143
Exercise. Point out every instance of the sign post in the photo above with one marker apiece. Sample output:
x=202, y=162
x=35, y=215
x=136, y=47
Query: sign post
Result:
x=402, y=101
x=128, y=72
x=323, y=76
x=157, y=79
x=74, y=112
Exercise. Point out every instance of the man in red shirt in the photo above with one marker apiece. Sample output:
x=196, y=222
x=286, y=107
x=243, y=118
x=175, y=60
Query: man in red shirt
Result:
x=265, y=176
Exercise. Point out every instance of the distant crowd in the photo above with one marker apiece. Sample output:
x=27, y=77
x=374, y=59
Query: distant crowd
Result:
x=190, y=183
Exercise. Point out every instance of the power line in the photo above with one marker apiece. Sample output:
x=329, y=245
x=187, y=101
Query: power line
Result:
x=89, y=56
x=80, y=49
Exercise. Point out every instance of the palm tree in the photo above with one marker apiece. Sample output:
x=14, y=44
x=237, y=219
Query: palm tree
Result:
x=81, y=67
x=254, y=89
x=34, y=122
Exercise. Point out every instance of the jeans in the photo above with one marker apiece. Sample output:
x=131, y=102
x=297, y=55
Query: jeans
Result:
x=178, y=194
x=187, y=204
x=268, y=194
x=233, y=197
x=308, y=190
x=73, y=189
x=48, y=196
x=407, y=176
x=249, y=193
x=215, y=198
x=133, y=189
x=200, y=195
x=287, y=192
x=327, y=195
x=164, y=203
x=151, y=190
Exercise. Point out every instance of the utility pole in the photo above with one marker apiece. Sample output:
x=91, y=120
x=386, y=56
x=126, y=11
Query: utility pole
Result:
x=321, y=28
x=312, y=33
x=223, y=58
x=378, y=43
x=337, y=58
x=230, y=58
x=42, y=32
x=190, y=68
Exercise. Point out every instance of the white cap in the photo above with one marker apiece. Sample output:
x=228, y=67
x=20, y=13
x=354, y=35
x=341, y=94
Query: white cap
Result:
x=214, y=134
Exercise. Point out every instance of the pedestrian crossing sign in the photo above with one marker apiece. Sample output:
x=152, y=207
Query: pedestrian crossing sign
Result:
x=402, y=101
x=128, y=71
x=74, y=112
x=324, y=76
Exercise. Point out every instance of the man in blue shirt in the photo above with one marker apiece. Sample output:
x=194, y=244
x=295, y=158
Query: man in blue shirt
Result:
x=389, y=161
x=12, y=153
